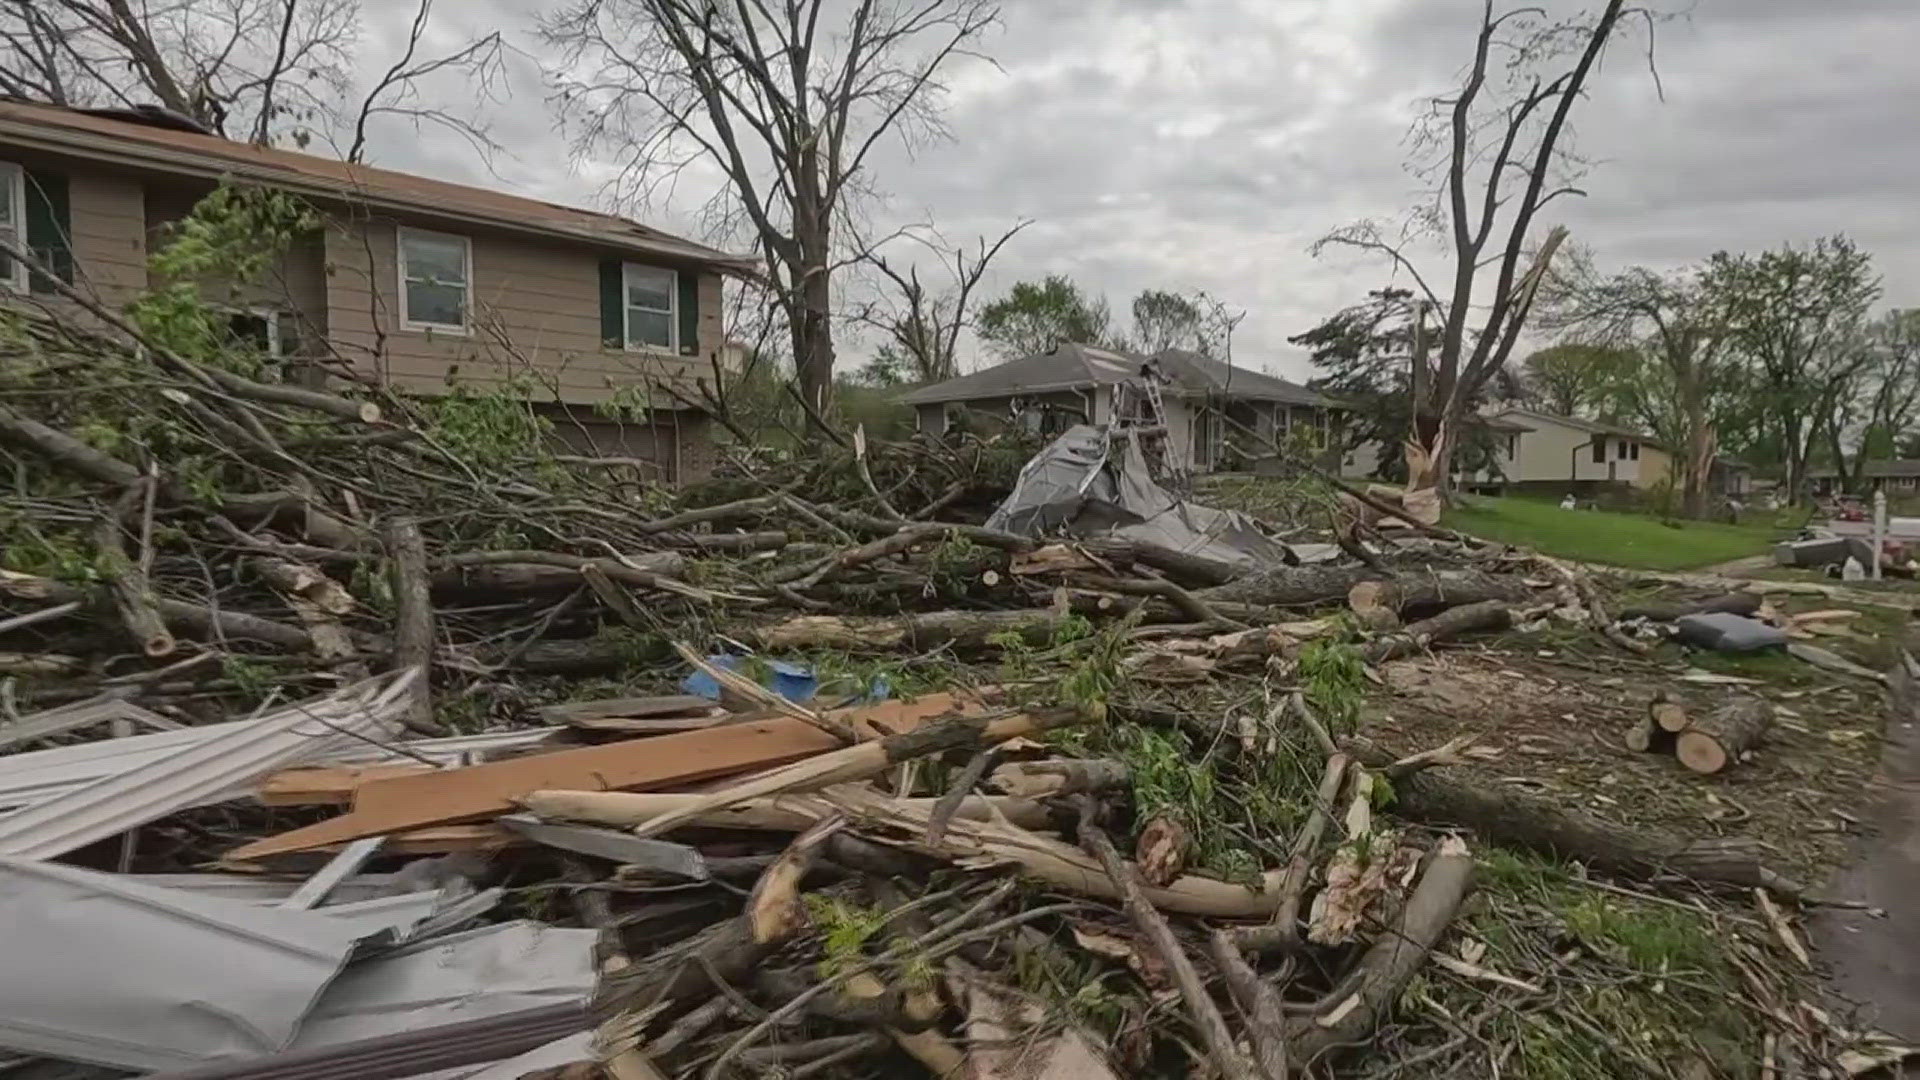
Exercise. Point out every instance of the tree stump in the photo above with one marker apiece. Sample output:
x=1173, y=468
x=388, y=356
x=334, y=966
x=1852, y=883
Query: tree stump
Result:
x=1717, y=741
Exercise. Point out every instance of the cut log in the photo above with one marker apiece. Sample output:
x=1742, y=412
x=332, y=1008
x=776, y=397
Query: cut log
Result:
x=1716, y=741
x=1486, y=615
x=1667, y=714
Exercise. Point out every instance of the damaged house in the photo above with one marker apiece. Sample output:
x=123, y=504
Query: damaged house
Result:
x=1204, y=407
x=426, y=286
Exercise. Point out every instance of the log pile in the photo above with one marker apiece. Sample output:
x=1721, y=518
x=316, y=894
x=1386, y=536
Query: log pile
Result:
x=493, y=639
x=1705, y=744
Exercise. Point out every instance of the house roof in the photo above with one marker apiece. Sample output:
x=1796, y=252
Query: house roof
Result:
x=115, y=136
x=1592, y=427
x=1073, y=366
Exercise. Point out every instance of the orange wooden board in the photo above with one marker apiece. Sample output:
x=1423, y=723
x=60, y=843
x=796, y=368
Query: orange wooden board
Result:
x=326, y=786
x=446, y=796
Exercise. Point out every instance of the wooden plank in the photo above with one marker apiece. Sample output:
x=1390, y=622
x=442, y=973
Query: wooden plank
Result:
x=326, y=786
x=449, y=796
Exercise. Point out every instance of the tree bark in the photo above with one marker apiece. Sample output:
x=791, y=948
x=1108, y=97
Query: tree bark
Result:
x=1418, y=593
x=1515, y=819
x=1486, y=615
x=412, y=616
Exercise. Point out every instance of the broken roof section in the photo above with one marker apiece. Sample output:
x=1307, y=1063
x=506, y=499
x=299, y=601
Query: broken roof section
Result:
x=40, y=775
x=100, y=968
x=1076, y=367
x=369, y=709
x=1079, y=486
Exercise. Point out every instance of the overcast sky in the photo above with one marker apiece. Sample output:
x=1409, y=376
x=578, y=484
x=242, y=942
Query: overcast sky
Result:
x=1204, y=144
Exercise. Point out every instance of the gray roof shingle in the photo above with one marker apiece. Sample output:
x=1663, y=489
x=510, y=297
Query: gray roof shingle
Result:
x=1073, y=366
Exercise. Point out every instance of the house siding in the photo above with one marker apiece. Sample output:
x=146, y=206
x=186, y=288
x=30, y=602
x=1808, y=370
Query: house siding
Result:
x=296, y=284
x=106, y=225
x=535, y=314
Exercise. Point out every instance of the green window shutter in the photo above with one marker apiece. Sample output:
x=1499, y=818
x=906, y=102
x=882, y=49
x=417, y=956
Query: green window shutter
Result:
x=49, y=227
x=613, y=304
x=689, y=312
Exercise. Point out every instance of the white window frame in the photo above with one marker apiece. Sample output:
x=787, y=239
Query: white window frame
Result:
x=14, y=177
x=673, y=310
x=269, y=316
x=407, y=321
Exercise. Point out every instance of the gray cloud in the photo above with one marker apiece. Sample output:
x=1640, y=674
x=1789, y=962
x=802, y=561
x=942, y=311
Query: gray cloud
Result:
x=1206, y=143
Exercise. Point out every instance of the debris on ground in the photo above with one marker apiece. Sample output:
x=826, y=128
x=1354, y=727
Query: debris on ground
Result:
x=347, y=735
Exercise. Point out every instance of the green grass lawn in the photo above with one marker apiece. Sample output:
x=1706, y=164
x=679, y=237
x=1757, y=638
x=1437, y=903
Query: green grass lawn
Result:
x=1604, y=536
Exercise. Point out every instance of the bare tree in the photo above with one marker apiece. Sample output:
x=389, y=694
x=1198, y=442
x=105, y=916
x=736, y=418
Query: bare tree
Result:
x=1497, y=151
x=920, y=327
x=481, y=63
x=262, y=70
x=1675, y=369
x=239, y=67
x=786, y=98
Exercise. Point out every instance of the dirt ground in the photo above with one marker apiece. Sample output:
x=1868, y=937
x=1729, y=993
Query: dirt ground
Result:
x=1558, y=706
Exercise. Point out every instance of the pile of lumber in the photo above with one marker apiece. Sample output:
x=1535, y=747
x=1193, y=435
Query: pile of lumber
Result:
x=337, y=641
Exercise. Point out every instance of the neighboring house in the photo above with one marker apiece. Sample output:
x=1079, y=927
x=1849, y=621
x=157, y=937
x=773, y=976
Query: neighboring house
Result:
x=1568, y=450
x=1892, y=476
x=1504, y=434
x=1563, y=453
x=422, y=284
x=1206, y=402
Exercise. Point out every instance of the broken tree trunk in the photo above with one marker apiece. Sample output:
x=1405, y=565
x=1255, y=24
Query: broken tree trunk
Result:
x=1417, y=593
x=412, y=616
x=1485, y=615
x=1359, y=1003
x=1515, y=819
x=126, y=577
x=1423, y=595
x=1716, y=741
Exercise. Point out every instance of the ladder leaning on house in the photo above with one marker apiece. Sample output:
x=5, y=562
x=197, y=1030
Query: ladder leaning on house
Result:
x=1150, y=429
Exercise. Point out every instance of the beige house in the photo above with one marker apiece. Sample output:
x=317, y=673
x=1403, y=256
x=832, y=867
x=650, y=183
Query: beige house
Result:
x=424, y=285
x=1568, y=450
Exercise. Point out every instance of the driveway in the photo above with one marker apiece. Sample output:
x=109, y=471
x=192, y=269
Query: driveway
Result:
x=1876, y=961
